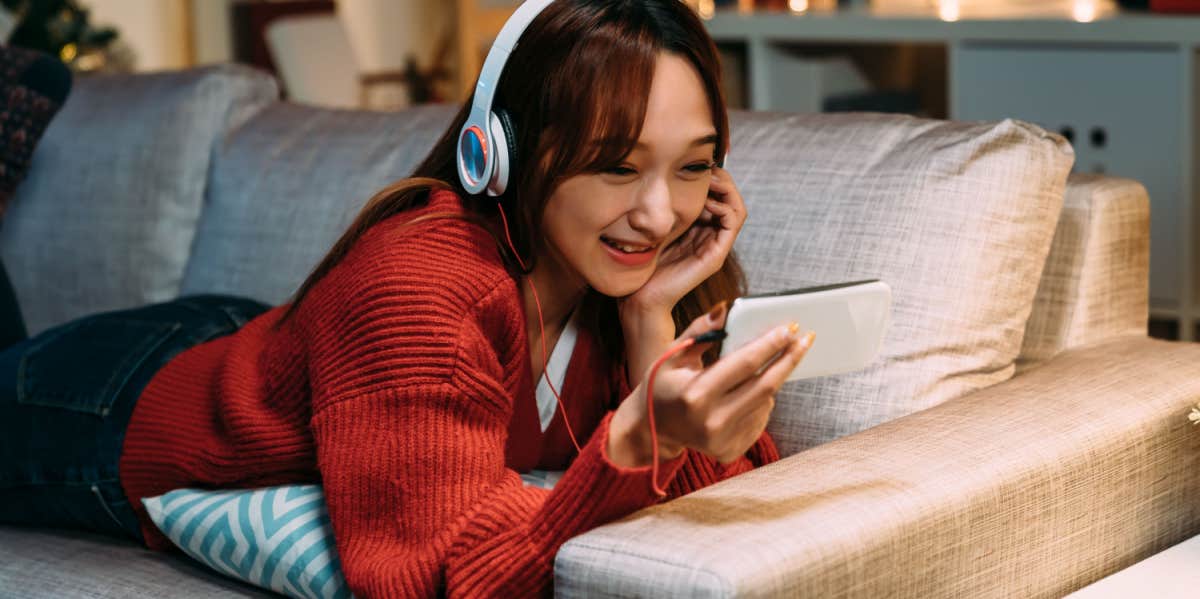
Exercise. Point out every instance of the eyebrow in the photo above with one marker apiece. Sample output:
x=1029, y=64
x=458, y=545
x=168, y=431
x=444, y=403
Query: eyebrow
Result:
x=711, y=138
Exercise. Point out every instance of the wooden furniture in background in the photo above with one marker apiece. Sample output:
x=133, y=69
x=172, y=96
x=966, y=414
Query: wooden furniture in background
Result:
x=250, y=19
x=478, y=25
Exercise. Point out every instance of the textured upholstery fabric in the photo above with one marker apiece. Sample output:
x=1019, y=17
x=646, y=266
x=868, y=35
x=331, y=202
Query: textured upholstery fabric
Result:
x=53, y=564
x=106, y=217
x=1096, y=281
x=956, y=217
x=289, y=183
x=1031, y=488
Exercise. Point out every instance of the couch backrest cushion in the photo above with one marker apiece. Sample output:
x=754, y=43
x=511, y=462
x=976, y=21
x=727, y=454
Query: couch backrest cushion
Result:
x=1096, y=284
x=288, y=185
x=107, y=215
x=956, y=217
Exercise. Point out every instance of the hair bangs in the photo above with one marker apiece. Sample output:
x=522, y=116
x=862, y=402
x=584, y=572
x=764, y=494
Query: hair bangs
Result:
x=609, y=92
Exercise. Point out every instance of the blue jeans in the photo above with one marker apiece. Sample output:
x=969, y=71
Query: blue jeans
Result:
x=66, y=396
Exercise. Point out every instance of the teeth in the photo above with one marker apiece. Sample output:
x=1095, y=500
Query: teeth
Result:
x=628, y=249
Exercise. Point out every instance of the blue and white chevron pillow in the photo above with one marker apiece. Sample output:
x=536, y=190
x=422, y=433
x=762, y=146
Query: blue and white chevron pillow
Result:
x=278, y=538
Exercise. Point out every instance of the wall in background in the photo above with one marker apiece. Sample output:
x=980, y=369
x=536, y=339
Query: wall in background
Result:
x=212, y=37
x=156, y=30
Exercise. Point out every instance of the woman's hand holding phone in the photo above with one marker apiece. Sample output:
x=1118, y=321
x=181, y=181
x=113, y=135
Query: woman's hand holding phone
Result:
x=720, y=411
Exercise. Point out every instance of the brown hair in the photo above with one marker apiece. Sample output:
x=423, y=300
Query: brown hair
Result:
x=582, y=81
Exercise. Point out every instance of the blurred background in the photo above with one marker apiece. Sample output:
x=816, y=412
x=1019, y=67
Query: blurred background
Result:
x=389, y=54
x=1118, y=79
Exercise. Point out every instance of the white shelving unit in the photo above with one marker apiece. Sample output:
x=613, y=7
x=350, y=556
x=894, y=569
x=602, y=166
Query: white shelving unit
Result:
x=1125, y=84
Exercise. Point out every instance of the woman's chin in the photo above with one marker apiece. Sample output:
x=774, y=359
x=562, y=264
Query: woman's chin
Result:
x=619, y=286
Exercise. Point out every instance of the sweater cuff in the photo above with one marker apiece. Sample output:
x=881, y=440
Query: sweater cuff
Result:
x=597, y=490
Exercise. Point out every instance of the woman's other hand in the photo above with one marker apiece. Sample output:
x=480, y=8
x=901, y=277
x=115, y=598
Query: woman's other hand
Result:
x=720, y=411
x=698, y=253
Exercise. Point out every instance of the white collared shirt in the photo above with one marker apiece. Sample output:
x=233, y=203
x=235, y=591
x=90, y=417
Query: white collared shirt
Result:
x=557, y=371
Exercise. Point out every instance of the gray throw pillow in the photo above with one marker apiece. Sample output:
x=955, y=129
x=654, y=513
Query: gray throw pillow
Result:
x=105, y=219
x=290, y=182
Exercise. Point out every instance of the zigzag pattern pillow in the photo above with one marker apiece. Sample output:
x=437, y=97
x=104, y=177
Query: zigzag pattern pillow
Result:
x=277, y=538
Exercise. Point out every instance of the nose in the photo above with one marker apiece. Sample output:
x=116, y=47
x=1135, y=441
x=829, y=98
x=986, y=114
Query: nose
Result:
x=652, y=214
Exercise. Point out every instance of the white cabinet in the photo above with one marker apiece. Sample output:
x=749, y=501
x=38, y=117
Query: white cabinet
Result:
x=1119, y=105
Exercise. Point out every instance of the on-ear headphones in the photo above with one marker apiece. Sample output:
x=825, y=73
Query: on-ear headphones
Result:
x=487, y=144
x=487, y=149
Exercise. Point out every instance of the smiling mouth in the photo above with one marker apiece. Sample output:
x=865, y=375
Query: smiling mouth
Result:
x=627, y=248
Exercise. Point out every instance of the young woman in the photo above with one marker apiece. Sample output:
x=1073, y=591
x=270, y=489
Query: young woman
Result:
x=403, y=373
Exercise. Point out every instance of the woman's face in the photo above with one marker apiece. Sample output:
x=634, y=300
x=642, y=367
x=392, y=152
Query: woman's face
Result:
x=607, y=229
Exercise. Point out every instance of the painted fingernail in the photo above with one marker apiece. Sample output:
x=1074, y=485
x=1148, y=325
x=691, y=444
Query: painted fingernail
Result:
x=793, y=329
x=808, y=339
x=714, y=315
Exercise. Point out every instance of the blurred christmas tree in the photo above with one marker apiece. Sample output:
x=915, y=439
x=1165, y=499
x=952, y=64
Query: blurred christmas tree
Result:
x=61, y=28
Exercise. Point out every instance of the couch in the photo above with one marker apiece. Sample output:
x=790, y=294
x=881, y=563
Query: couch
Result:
x=1020, y=436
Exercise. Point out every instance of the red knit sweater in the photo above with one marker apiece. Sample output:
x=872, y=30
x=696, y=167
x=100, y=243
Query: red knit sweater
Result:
x=396, y=385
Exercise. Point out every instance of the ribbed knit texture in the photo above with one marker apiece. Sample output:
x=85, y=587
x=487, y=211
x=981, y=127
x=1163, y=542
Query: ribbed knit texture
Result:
x=395, y=385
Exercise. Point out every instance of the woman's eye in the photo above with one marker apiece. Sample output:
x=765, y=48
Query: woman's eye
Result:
x=700, y=168
x=620, y=171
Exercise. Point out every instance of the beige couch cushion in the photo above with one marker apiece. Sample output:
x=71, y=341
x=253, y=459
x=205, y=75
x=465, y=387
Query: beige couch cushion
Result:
x=1031, y=489
x=956, y=217
x=1096, y=283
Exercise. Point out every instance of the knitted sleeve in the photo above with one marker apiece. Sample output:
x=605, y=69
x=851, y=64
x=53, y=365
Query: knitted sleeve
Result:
x=422, y=505
x=699, y=470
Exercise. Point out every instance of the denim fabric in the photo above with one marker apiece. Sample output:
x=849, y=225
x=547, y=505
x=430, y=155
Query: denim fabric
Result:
x=66, y=396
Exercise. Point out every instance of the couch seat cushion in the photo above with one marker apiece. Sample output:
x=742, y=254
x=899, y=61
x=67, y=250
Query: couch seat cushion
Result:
x=59, y=564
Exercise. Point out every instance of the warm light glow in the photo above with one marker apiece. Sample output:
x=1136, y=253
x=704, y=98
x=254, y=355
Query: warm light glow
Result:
x=948, y=10
x=705, y=8
x=68, y=52
x=798, y=6
x=1084, y=11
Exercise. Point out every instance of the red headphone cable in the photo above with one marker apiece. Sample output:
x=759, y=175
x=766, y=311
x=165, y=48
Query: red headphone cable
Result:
x=707, y=337
x=542, y=328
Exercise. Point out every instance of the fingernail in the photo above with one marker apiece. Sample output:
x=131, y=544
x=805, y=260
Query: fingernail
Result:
x=714, y=315
x=808, y=339
x=793, y=328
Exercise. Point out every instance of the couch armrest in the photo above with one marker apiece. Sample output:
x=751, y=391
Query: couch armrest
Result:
x=1096, y=282
x=1030, y=488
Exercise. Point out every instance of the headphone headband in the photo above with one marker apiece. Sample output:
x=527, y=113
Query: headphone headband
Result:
x=478, y=152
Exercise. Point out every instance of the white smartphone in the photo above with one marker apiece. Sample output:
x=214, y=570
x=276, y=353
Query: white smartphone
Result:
x=849, y=319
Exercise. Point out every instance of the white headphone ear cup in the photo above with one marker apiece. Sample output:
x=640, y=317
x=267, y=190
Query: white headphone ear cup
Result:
x=503, y=145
